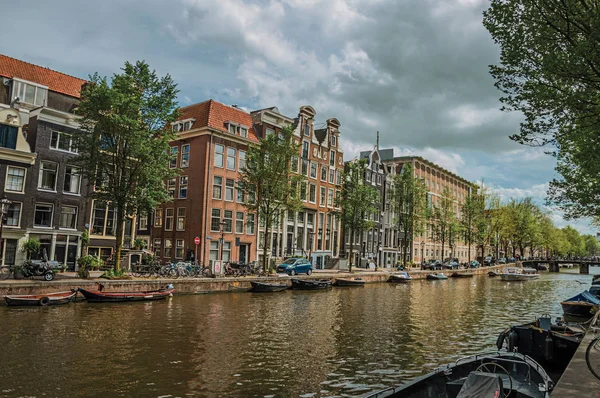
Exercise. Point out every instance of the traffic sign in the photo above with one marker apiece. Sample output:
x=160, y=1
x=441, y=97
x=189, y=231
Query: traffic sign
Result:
x=197, y=240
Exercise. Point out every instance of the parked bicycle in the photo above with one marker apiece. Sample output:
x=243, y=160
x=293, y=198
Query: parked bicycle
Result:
x=592, y=356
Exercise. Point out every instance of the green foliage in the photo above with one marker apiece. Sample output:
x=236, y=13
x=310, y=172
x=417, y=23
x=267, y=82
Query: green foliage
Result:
x=89, y=262
x=359, y=203
x=149, y=259
x=409, y=205
x=592, y=247
x=115, y=274
x=266, y=181
x=31, y=246
x=124, y=143
x=550, y=72
x=445, y=222
x=474, y=223
x=139, y=243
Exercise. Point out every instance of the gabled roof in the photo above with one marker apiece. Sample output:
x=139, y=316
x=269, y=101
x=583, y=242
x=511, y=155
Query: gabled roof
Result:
x=214, y=114
x=55, y=81
x=321, y=134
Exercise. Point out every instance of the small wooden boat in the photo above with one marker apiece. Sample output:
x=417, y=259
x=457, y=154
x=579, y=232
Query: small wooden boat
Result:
x=513, y=274
x=496, y=374
x=542, y=267
x=402, y=277
x=493, y=274
x=580, y=305
x=462, y=275
x=437, y=277
x=311, y=284
x=100, y=296
x=260, y=287
x=550, y=345
x=41, y=299
x=349, y=282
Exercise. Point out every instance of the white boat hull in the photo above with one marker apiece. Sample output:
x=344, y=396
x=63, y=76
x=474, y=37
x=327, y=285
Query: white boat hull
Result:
x=518, y=277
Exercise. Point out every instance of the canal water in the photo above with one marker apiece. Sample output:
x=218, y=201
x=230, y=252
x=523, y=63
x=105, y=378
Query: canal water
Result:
x=342, y=342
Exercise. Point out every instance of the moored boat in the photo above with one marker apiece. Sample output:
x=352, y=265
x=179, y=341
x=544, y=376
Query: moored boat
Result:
x=496, y=374
x=402, y=277
x=100, y=296
x=40, y=299
x=437, y=277
x=462, y=275
x=311, y=284
x=518, y=274
x=261, y=287
x=349, y=282
x=493, y=274
x=551, y=345
x=580, y=305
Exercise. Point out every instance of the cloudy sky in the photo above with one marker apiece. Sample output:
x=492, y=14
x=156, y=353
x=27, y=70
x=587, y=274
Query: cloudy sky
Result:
x=415, y=70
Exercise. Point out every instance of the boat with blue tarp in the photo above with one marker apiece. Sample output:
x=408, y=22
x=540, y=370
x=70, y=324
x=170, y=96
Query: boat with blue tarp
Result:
x=580, y=305
x=402, y=277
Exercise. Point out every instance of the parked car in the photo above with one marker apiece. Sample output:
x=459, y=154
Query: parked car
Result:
x=488, y=260
x=294, y=266
x=502, y=260
x=451, y=264
x=511, y=260
x=474, y=264
x=432, y=265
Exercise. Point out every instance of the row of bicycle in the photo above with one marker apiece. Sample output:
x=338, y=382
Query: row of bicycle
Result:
x=187, y=269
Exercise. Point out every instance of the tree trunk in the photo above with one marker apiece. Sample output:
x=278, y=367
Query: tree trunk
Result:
x=266, y=248
x=351, y=251
x=119, y=237
x=443, y=245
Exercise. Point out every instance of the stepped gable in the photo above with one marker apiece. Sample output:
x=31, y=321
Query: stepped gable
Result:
x=55, y=81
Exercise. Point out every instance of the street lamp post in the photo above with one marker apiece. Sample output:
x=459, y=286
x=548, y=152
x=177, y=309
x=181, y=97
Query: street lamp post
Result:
x=222, y=240
x=422, y=252
x=4, y=205
x=310, y=244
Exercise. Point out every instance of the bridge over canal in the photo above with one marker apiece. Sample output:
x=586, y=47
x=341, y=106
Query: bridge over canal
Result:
x=554, y=265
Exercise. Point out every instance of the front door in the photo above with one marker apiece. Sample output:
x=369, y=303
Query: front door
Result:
x=71, y=256
x=243, y=253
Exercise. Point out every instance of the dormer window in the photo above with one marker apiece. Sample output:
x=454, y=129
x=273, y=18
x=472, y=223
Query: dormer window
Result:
x=269, y=132
x=333, y=140
x=30, y=93
x=232, y=128
x=236, y=129
x=307, y=129
x=183, y=125
x=243, y=132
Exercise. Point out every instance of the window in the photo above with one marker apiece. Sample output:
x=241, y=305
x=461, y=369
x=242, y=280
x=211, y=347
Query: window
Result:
x=305, y=147
x=157, y=247
x=169, y=215
x=181, y=219
x=158, y=213
x=338, y=178
x=239, y=222
x=8, y=136
x=242, y=164
x=333, y=140
x=378, y=179
x=323, y=173
x=332, y=158
x=240, y=196
x=313, y=169
x=72, y=180
x=250, y=224
x=168, y=248
x=226, y=252
x=231, y=158
x=68, y=217
x=228, y=220
x=304, y=167
x=173, y=160
x=15, y=179
x=214, y=251
x=143, y=221
x=331, y=176
x=62, y=142
x=229, y=185
x=337, y=198
x=243, y=132
x=231, y=128
x=187, y=125
x=368, y=175
x=183, y=186
x=171, y=187
x=30, y=93
x=330, y=197
x=294, y=164
x=47, y=176
x=215, y=220
x=179, y=248
x=269, y=132
x=322, y=196
x=303, y=191
x=312, y=193
x=310, y=219
x=217, y=187
x=185, y=156
x=13, y=215
x=219, y=150
x=307, y=129
x=43, y=215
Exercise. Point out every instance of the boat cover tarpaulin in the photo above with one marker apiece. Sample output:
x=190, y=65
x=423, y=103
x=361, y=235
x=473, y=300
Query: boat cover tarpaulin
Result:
x=585, y=296
x=481, y=385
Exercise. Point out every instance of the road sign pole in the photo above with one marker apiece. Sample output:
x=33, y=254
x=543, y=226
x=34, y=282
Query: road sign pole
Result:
x=196, y=242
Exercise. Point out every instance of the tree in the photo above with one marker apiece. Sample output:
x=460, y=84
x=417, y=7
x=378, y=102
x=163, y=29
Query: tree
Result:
x=267, y=183
x=358, y=201
x=576, y=245
x=124, y=144
x=550, y=71
x=472, y=222
x=408, y=201
x=592, y=247
x=444, y=216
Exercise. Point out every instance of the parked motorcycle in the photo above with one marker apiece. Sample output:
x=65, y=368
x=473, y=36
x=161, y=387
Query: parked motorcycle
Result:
x=38, y=268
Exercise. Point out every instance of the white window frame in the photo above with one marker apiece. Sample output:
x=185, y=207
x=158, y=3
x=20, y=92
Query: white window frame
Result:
x=51, y=215
x=182, y=185
x=222, y=153
x=79, y=180
x=61, y=135
x=60, y=217
x=185, y=150
x=41, y=174
x=20, y=93
x=179, y=217
x=20, y=216
x=234, y=157
x=167, y=217
x=24, y=179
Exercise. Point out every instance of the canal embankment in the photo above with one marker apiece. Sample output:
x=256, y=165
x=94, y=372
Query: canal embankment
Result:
x=69, y=281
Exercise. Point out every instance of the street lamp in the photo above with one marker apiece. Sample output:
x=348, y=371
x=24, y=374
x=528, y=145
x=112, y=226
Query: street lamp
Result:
x=310, y=244
x=4, y=206
x=222, y=240
x=422, y=252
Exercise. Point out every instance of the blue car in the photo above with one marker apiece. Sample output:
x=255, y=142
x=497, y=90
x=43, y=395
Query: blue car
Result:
x=294, y=266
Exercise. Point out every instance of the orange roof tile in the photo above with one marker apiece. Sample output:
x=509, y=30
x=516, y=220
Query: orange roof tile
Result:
x=55, y=81
x=215, y=114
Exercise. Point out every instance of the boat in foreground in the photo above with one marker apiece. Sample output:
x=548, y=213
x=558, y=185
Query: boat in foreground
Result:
x=462, y=275
x=402, y=277
x=550, y=345
x=493, y=274
x=580, y=305
x=496, y=374
x=437, y=277
x=512, y=274
x=349, y=282
x=100, y=296
x=40, y=299
x=311, y=284
x=261, y=287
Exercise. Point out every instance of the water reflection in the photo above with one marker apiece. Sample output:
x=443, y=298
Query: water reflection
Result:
x=346, y=341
